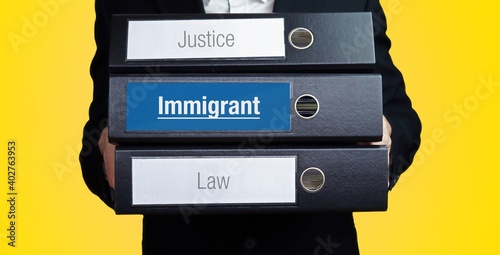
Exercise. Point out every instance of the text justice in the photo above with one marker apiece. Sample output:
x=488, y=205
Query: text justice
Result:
x=209, y=39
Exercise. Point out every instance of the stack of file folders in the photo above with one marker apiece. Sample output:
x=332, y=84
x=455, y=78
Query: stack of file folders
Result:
x=246, y=113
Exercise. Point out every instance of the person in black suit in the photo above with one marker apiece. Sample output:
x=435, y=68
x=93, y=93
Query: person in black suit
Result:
x=320, y=233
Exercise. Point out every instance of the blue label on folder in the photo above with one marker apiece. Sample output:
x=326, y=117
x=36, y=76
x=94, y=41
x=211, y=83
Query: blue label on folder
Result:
x=208, y=106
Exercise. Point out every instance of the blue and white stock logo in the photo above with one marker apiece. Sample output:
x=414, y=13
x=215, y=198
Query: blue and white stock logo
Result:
x=210, y=106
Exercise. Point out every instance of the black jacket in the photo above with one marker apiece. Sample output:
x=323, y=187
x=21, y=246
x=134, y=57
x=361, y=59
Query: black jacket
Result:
x=405, y=123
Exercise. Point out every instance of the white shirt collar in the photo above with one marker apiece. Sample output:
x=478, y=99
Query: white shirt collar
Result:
x=208, y=1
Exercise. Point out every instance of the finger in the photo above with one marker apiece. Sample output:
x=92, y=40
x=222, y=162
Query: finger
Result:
x=109, y=163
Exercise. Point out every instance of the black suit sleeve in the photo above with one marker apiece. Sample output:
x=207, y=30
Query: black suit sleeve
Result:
x=90, y=157
x=405, y=123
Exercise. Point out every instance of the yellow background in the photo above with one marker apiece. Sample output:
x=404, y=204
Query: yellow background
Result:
x=447, y=202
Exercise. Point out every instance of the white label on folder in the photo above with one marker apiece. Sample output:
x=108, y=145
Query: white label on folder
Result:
x=206, y=38
x=213, y=180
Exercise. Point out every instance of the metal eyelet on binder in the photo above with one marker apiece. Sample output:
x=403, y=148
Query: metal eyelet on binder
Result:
x=312, y=179
x=307, y=106
x=301, y=38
